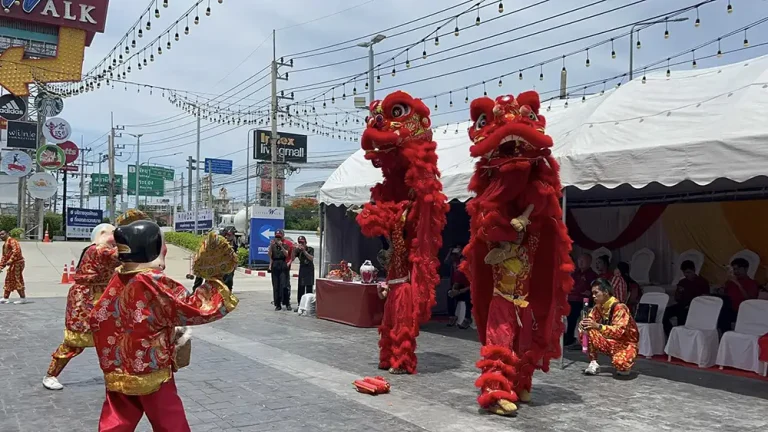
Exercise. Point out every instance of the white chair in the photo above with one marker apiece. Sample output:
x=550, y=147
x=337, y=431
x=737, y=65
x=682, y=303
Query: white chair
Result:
x=752, y=258
x=598, y=253
x=640, y=267
x=689, y=255
x=653, y=289
x=739, y=348
x=652, y=337
x=697, y=341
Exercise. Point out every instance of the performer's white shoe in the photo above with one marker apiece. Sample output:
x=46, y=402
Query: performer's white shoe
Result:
x=20, y=301
x=4, y=301
x=592, y=369
x=51, y=383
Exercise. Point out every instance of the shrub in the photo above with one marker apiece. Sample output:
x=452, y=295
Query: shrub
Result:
x=184, y=240
x=242, y=257
x=53, y=223
x=16, y=233
x=8, y=222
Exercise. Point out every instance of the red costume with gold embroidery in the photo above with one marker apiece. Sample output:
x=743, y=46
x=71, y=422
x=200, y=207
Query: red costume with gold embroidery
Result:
x=13, y=263
x=408, y=207
x=135, y=322
x=517, y=259
x=617, y=337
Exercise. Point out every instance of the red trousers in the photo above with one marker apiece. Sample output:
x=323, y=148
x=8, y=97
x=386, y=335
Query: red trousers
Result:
x=398, y=330
x=121, y=413
x=505, y=371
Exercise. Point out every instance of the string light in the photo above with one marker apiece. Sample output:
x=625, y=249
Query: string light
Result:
x=719, y=51
x=587, y=62
x=643, y=76
x=450, y=99
x=466, y=97
x=500, y=83
x=698, y=20
x=501, y=7
x=435, y=103
x=541, y=72
x=668, y=71
x=638, y=40
x=613, y=50
x=520, y=75
x=424, y=53
x=729, y=8
x=477, y=20
x=485, y=92
x=666, y=29
x=407, y=60
x=693, y=64
x=437, y=40
x=456, y=30
x=746, y=41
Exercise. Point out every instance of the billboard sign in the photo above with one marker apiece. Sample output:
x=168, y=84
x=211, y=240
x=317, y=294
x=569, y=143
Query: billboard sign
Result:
x=81, y=222
x=12, y=107
x=218, y=166
x=185, y=221
x=290, y=147
x=16, y=163
x=88, y=15
x=71, y=151
x=51, y=157
x=22, y=135
x=264, y=222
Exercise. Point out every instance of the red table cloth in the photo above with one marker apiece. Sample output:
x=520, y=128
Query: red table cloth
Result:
x=350, y=303
x=763, y=344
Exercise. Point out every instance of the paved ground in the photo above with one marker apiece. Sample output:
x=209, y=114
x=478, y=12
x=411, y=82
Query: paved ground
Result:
x=260, y=370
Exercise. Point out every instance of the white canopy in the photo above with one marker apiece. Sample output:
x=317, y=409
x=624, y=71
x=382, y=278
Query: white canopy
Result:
x=698, y=125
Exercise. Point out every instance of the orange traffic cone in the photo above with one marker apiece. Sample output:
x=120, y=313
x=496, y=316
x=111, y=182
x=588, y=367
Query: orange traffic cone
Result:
x=72, y=272
x=65, y=276
x=46, y=239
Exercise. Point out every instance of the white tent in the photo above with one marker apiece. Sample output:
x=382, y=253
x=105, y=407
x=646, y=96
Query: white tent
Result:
x=695, y=127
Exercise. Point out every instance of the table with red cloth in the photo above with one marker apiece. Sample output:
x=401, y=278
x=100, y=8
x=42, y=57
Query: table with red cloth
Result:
x=350, y=303
x=763, y=344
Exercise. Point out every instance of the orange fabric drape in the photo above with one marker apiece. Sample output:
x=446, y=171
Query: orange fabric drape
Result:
x=749, y=222
x=703, y=227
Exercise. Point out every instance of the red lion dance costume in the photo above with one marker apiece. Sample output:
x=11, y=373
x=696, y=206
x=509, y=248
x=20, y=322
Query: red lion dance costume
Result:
x=409, y=209
x=517, y=259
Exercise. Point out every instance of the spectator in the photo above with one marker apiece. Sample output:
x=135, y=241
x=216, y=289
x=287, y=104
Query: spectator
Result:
x=459, y=290
x=738, y=288
x=279, y=254
x=611, y=330
x=602, y=266
x=688, y=288
x=632, y=287
x=583, y=277
x=306, y=256
x=616, y=280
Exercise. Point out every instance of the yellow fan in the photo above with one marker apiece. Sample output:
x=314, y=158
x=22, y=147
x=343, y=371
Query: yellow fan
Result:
x=215, y=258
x=131, y=216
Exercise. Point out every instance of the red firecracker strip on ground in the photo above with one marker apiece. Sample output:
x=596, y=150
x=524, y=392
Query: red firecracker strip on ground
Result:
x=372, y=385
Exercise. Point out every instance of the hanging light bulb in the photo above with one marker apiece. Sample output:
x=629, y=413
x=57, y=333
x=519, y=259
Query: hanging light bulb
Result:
x=666, y=34
x=151, y=57
x=729, y=8
x=424, y=54
x=407, y=63
x=719, y=51
x=501, y=7
x=145, y=61
x=165, y=3
x=197, y=19
x=477, y=20
x=500, y=83
x=587, y=63
x=141, y=33
x=221, y=1
x=520, y=76
x=127, y=50
x=159, y=50
x=149, y=25
x=378, y=79
x=176, y=37
x=157, y=13
x=186, y=30
x=694, y=64
x=208, y=11
x=139, y=66
x=394, y=72
x=746, y=41
x=456, y=30
x=639, y=45
x=437, y=40
x=133, y=43
x=169, y=45
x=366, y=85
x=643, y=79
x=120, y=59
x=698, y=20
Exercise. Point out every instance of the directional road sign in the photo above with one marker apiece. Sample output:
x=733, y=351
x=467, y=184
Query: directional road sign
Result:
x=218, y=166
x=265, y=221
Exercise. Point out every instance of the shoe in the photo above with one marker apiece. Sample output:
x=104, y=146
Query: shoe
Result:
x=623, y=373
x=278, y=308
x=592, y=369
x=51, y=383
x=288, y=308
x=465, y=324
x=4, y=301
x=20, y=301
x=452, y=321
x=296, y=310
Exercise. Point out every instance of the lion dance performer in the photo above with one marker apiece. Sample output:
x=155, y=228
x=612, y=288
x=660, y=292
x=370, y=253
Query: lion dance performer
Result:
x=14, y=261
x=517, y=258
x=135, y=324
x=408, y=208
x=97, y=264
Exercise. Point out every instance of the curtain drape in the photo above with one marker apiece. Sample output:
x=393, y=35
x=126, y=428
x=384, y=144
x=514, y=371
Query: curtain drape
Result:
x=646, y=216
x=749, y=222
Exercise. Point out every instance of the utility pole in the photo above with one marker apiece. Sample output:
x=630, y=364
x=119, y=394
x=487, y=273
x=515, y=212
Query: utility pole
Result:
x=197, y=169
x=273, y=116
x=22, y=192
x=371, y=83
x=112, y=190
x=182, y=191
x=40, y=204
x=190, y=167
x=83, y=152
x=101, y=161
x=138, y=165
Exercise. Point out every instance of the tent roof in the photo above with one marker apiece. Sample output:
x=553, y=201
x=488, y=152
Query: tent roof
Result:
x=695, y=127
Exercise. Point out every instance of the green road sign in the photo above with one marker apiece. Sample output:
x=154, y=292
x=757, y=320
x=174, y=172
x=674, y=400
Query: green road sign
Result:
x=148, y=186
x=152, y=171
x=100, y=185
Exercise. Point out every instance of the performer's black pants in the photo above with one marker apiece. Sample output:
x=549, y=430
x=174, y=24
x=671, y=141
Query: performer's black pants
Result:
x=573, y=321
x=281, y=290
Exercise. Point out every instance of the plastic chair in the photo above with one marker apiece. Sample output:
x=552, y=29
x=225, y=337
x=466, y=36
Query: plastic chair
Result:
x=640, y=266
x=752, y=258
x=739, y=348
x=598, y=253
x=653, y=289
x=697, y=341
x=652, y=337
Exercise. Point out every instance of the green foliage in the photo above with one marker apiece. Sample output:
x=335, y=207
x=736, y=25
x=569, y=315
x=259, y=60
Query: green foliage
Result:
x=106, y=220
x=302, y=215
x=16, y=233
x=53, y=223
x=184, y=240
x=242, y=257
x=8, y=222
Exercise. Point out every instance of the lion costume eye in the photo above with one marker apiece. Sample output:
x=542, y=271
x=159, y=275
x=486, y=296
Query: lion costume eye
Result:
x=481, y=122
x=532, y=116
x=400, y=110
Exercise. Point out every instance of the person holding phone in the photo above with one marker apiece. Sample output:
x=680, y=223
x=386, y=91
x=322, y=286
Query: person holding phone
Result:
x=279, y=256
x=306, y=256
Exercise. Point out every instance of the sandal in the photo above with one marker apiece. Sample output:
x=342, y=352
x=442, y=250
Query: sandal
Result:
x=452, y=321
x=465, y=324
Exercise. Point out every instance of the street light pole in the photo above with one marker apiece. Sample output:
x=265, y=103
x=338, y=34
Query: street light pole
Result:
x=632, y=40
x=138, y=165
x=371, y=83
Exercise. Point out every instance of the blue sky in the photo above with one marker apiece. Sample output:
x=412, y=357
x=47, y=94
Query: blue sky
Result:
x=234, y=43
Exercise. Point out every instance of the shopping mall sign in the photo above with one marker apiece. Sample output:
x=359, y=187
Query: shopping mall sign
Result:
x=88, y=15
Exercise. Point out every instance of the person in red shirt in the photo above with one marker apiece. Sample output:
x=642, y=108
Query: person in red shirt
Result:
x=632, y=288
x=738, y=288
x=688, y=288
x=582, y=288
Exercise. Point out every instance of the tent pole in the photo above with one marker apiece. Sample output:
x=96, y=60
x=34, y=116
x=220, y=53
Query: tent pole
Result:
x=565, y=319
x=321, y=230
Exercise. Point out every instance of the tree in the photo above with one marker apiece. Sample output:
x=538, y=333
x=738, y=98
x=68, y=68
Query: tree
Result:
x=302, y=215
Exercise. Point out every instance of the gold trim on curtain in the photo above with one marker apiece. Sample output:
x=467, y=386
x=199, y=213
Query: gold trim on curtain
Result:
x=749, y=222
x=703, y=227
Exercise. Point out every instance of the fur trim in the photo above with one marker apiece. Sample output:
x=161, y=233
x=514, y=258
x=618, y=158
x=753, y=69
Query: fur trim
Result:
x=184, y=334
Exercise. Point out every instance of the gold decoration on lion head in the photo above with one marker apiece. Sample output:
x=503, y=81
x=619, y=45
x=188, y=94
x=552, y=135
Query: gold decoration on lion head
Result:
x=215, y=258
x=131, y=216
